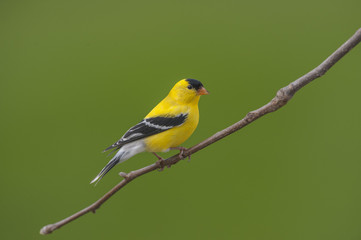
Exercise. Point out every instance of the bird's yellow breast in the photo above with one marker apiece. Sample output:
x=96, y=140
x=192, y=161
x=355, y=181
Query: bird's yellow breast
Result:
x=173, y=137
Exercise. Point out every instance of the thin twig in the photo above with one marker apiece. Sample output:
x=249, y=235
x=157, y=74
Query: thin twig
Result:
x=282, y=97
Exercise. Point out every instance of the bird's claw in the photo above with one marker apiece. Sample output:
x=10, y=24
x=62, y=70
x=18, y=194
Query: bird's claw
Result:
x=181, y=153
x=161, y=164
x=182, y=156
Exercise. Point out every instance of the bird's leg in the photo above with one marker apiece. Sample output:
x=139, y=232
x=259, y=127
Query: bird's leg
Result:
x=181, y=151
x=160, y=162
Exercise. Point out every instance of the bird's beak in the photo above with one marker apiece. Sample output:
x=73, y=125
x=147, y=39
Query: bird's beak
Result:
x=202, y=91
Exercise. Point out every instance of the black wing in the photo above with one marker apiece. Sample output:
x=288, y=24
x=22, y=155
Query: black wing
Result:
x=149, y=127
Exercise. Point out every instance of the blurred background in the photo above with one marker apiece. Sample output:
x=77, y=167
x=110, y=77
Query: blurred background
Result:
x=75, y=75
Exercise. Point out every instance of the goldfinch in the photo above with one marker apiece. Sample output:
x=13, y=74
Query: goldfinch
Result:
x=166, y=127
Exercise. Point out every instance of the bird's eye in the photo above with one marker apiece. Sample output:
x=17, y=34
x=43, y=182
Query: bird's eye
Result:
x=190, y=87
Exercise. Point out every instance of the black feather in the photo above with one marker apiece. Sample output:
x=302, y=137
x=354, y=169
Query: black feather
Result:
x=106, y=169
x=149, y=127
x=195, y=83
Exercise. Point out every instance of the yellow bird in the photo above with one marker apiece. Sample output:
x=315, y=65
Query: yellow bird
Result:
x=166, y=127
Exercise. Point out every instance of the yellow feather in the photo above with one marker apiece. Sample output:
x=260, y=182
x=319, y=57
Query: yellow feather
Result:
x=179, y=100
x=182, y=99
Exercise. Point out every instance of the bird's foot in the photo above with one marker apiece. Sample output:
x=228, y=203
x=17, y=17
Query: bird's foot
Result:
x=181, y=152
x=160, y=162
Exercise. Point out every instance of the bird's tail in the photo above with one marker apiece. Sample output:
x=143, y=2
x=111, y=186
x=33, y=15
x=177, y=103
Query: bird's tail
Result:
x=125, y=152
x=114, y=161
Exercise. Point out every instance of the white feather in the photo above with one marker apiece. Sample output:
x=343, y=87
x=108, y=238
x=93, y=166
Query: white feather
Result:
x=130, y=149
x=125, y=152
x=157, y=126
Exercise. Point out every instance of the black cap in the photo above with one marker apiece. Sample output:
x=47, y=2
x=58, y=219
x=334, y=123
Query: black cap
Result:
x=195, y=83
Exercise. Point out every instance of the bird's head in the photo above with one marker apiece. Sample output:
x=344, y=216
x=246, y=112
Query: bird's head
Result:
x=188, y=91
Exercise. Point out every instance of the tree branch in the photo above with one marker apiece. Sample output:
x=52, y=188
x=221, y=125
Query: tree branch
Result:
x=282, y=97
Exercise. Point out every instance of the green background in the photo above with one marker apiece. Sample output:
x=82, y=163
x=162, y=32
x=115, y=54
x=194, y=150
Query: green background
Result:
x=75, y=75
